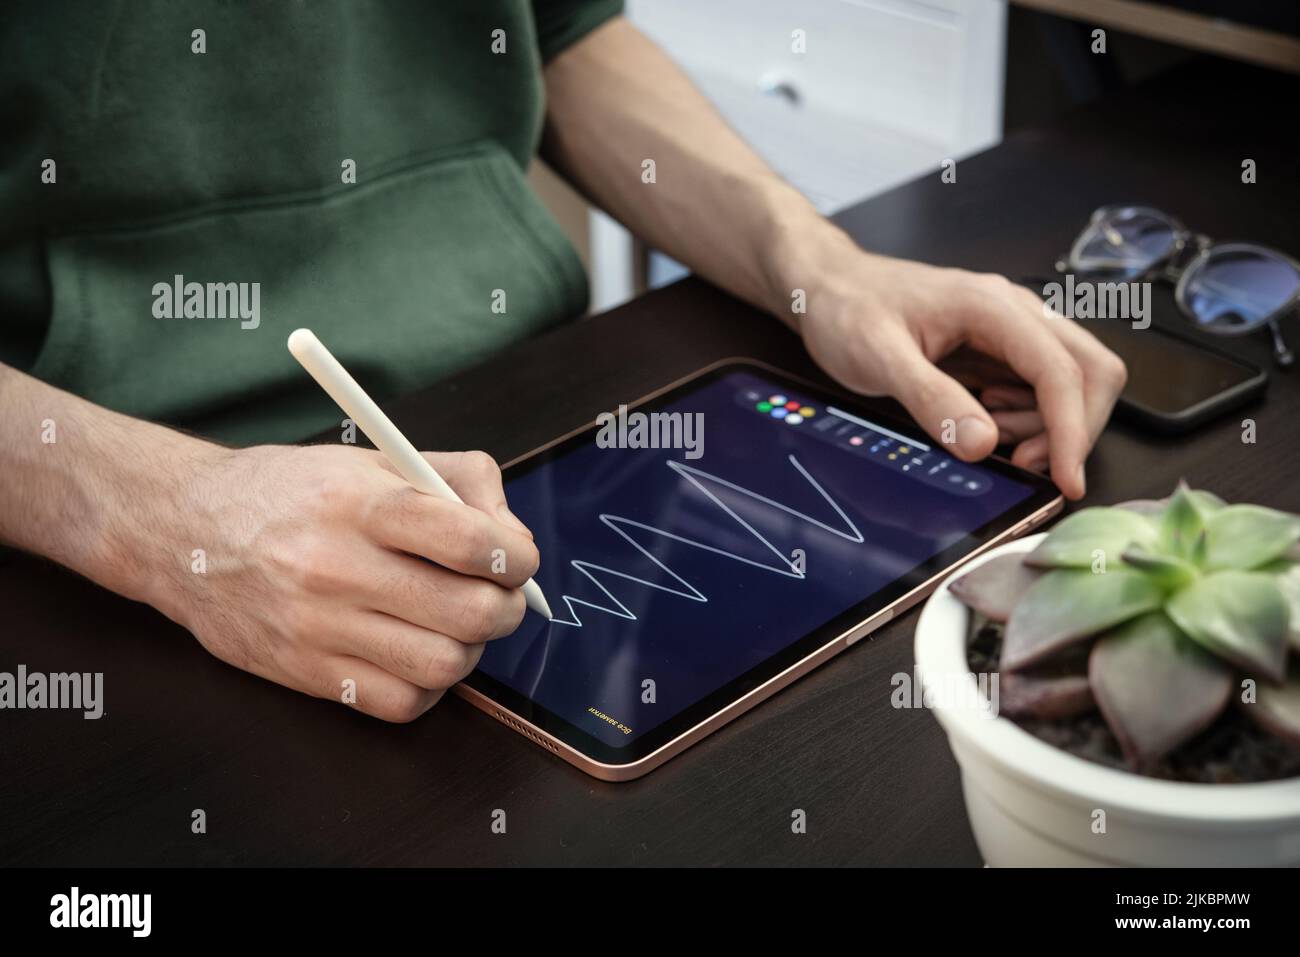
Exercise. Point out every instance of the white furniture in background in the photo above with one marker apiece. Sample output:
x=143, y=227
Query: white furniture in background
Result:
x=885, y=90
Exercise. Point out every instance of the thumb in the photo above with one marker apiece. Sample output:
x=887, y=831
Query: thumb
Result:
x=941, y=405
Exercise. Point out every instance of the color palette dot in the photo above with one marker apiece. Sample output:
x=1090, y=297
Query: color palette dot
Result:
x=778, y=400
x=792, y=405
x=779, y=412
x=856, y=440
x=807, y=412
x=794, y=418
x=764, y=407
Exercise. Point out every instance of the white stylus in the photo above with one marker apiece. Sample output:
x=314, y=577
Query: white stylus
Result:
x=361, y=409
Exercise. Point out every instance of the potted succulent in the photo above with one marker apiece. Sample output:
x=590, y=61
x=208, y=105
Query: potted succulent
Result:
x=1145, y=668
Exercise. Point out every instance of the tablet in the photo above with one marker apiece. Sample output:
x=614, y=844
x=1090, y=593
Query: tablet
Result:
x=704, y=547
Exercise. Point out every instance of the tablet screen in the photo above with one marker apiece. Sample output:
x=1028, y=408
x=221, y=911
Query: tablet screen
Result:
x=693, y=543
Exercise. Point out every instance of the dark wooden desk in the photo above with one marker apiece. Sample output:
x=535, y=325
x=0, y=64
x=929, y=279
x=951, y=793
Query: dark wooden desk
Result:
x=285, y=779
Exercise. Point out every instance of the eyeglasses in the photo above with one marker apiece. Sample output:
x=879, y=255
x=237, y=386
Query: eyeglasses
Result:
x=1228, y=289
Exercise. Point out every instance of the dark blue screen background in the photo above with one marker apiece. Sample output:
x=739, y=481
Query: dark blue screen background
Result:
x=726, y=614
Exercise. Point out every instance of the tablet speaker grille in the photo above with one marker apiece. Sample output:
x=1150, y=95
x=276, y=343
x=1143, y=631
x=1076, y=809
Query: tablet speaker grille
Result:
x=526, y=732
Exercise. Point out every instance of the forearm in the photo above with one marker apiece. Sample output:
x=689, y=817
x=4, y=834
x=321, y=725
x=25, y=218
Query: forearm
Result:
x=91, y=489
x=614, y=101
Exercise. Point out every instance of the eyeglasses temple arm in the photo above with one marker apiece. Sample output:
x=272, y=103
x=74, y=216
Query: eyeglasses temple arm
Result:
x=1281, y=351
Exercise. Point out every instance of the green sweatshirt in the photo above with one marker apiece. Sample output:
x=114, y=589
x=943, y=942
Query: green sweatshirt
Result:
x=184, y=184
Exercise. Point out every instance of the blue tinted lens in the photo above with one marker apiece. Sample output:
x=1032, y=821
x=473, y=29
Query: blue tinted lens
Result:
x=1236, y=289
x=1123, y=245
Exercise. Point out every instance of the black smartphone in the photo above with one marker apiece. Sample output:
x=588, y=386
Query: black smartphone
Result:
x=1174, y=384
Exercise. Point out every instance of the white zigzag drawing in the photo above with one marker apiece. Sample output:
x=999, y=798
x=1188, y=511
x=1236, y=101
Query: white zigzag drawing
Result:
x=618, y=524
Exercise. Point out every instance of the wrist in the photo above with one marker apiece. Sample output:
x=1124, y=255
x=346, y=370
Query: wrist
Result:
x=157, y=513
x=803, y=258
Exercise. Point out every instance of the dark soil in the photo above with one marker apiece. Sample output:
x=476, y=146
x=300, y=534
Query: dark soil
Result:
x=1233, y=750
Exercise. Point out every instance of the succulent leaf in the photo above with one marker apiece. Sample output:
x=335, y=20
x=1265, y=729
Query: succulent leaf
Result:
x=1151, y=507
x=1277, y=709
x=1207, y=503
x=1239, y=616
x=1074, y=542
x=1248, y=536
x=1067, y=605
x=1181, y=524
x=1167, y=571
x=1051, y=697
x=1155, y=687
x=995, y=587
x=1056, y=689
x=1287, y=578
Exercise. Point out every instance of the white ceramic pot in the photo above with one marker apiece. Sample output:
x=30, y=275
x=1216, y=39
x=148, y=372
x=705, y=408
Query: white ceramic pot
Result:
x=1031, y=804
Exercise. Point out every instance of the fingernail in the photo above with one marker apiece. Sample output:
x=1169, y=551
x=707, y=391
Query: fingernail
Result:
x=975, y=435
x=512, y=520
x=1081, y=479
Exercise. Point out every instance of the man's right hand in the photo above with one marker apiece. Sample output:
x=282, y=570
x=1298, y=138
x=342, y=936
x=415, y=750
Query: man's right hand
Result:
x=319, y=568
x=327, y=573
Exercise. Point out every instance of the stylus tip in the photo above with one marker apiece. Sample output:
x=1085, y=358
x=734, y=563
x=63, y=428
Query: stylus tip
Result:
x=537, y=601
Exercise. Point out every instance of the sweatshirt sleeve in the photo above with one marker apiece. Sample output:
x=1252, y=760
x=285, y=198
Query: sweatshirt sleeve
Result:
x=561, y=23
